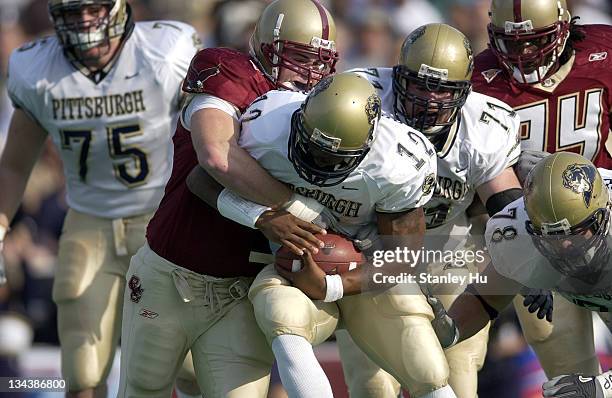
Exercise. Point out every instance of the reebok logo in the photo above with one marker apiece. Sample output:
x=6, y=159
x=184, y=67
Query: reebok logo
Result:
x=598, y=56
x=148, y=314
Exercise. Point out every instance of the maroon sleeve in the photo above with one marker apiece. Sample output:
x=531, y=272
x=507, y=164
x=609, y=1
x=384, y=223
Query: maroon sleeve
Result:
x=227, y=74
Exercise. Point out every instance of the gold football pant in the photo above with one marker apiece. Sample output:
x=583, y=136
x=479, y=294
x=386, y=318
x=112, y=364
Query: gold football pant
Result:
x=393, y=329
x=366, y=380
x=564, y=346
x=94, y=255
x=169, y=310
x=88, y=289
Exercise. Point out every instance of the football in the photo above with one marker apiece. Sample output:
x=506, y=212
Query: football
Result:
x=336, y=257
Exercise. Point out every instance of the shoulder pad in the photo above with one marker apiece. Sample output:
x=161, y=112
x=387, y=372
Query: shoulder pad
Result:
x=227, y=74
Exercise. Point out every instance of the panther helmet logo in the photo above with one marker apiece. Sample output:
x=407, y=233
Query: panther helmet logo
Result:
x=580, y=179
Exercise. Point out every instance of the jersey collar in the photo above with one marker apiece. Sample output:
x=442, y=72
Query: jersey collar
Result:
x=550, y=84
x=98, y=75
x=444, y=146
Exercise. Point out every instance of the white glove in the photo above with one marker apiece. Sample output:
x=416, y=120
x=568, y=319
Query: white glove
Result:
x=526, y=161
x=443, y=325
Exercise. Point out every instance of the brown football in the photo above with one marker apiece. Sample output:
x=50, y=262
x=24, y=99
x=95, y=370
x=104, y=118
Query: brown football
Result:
x=338, y=256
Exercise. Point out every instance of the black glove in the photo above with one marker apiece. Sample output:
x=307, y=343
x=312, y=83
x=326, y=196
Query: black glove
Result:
x=539, y=300
x=444, y=326
x=574, y=386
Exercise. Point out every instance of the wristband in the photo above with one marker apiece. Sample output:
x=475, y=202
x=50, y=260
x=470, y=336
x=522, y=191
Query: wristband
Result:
x=335, y=290
x=306, y=209
x=3, y=231
x=238, y=209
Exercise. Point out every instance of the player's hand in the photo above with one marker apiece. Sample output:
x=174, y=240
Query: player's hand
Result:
x=541, y=301
x=2, y=267
x=574, y=386
x=526, y=161
x=289, y=231
x=310, y=279
x=443, y=324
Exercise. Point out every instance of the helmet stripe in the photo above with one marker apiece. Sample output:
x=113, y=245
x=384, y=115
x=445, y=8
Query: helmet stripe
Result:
x=324, y=21
x=517, y=11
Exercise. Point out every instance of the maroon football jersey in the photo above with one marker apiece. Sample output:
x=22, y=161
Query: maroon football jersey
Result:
x=561, y=114
x=185, y=230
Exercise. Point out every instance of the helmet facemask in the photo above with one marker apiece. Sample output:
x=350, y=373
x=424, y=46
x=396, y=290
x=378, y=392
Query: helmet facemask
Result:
x=79, y=36
x=433, y=117
x=580, y=251
x=529, y=55
x=317, y=157
x=311, y=62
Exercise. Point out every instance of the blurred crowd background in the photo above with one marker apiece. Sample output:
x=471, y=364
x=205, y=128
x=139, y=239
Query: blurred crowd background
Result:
x=370, y=33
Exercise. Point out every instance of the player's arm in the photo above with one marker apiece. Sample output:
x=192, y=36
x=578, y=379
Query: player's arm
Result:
x=474, y=308
x=403, y=229
x=215, y=139
x=500, y=191
x=24, y=144
x=279, y=226
x=408, y=226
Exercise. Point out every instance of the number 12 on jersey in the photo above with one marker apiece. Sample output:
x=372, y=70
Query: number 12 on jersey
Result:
x=81, y=141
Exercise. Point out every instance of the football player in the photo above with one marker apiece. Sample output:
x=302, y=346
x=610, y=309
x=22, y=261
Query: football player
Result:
x=106, y=90
x=565, y=216
x=329, y=134
x=188, y=284
x=291, y=48
x=476, y=141
x=554, y=74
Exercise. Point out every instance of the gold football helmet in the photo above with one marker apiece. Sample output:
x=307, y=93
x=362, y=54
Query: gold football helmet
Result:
x=569, y=213
x=332, y=131
x=528, y=36
x=431, y=82
x=78, y=35
x=296, y=35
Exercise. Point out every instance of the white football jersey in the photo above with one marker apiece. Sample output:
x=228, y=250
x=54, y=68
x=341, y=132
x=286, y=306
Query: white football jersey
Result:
x=397, y=174
x=485, y=143
x=114, y=136
x=514, y=256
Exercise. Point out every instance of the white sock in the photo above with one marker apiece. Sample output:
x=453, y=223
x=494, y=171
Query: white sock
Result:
x=444, y=392
x=299, y=370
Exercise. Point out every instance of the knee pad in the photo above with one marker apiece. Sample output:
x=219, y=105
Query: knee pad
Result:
x=565, y=346
x=364, y=378
x=186, y=382
x=287, y=310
